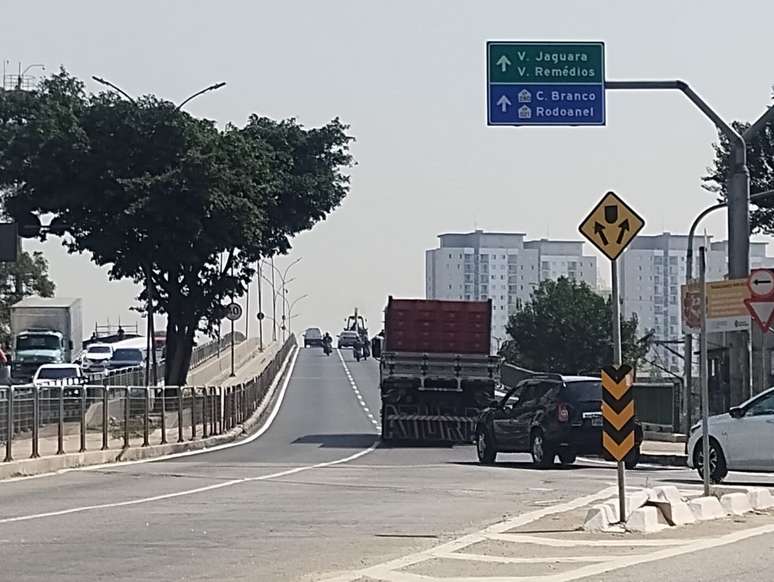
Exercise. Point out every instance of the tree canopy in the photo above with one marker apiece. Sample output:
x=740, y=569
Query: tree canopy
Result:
x=160, y=196
x=567, y=328
x=760, y=161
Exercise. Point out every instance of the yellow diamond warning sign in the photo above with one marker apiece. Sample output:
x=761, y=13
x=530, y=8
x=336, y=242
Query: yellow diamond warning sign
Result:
x=611, y=226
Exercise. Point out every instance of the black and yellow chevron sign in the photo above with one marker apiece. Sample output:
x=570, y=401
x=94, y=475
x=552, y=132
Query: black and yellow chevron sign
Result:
x=617, y=411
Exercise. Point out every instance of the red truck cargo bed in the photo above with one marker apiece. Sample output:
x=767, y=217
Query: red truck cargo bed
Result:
x=435, y=326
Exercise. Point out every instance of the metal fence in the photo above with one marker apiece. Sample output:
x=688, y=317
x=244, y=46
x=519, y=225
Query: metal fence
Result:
x=135, y=375
x=69, y=418
x=658, y=404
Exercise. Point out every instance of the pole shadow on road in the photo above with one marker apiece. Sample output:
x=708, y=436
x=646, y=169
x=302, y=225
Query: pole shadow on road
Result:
x=338, y=441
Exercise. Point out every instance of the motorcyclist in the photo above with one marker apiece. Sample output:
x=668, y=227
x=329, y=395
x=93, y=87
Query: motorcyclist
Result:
x=327, y=343
x=357, y=348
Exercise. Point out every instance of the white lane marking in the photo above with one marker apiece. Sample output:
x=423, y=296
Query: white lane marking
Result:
x=628, y=561
x=359, y=395
x=607, y=542
x=508, y=560
x=188, y=491
x=251, y=438
x=291, y=358
x=388, y=570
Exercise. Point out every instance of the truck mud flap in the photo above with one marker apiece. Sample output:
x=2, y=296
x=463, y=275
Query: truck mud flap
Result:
x=405, y=423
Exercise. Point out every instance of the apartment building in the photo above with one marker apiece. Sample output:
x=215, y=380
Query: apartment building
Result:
x=503, y=267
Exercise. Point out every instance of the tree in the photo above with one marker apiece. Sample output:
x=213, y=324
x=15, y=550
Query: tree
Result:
x=567, y=328
x=760, y=161
x=162, y=197
x=32, y=272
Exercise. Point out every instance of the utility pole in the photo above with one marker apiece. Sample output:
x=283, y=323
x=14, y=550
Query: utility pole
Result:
x=704, y=371
x=273, y=303
x=260, y=308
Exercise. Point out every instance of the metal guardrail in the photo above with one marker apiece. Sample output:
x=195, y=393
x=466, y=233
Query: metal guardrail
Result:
x=135, y=375
x=61, y=418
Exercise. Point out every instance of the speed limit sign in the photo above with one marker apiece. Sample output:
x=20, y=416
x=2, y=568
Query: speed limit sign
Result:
x=233, y=311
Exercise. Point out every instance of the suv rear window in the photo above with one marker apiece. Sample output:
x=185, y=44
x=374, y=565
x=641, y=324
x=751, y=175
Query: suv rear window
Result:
x=130, y=354
x=583, y=391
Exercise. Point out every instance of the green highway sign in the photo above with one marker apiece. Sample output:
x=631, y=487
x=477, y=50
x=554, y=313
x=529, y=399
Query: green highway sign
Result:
x=545, y=83
x=546, y=62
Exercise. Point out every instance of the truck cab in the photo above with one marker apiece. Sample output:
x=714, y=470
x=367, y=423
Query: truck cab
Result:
x=33, y=348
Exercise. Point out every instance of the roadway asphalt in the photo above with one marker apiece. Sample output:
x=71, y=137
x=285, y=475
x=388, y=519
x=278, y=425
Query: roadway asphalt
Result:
x=312, y=496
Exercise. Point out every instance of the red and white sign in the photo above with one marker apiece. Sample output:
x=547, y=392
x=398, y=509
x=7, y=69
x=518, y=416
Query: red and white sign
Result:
x=761, y=283
x=762, y=311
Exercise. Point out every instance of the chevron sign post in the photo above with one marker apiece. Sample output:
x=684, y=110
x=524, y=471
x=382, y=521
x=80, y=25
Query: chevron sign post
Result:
x=617, y=411
x=617, y=399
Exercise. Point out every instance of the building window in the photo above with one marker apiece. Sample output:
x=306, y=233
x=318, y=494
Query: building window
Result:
x=467, y=297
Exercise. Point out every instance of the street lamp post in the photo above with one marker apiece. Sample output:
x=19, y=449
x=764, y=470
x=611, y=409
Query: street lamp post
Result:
x=148, y=281
x=688, y=349
x=283, y=290
x=292, y=305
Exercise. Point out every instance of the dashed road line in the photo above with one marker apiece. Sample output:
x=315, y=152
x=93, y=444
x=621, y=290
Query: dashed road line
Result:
x=358, y=394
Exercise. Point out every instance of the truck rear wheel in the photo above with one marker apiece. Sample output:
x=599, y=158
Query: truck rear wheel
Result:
x=386, y=437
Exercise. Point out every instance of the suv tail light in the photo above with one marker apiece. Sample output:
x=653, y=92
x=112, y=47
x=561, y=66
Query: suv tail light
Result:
x=562, y=412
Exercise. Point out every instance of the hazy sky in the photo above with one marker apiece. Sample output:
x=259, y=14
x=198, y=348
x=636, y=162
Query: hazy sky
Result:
x=409, y=76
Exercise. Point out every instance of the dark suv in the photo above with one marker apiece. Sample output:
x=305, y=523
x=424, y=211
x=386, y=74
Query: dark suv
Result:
x=548, y=415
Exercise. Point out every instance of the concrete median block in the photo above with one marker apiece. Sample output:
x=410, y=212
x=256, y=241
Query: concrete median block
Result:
x=760, y=498
x=666, y=493
x=599, y=518
x=646, y=519
x=736, y=503
x=675, y=513
x=634, y=501
x=706, y=508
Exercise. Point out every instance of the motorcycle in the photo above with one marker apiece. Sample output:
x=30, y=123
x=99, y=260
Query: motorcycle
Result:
x=327, y=349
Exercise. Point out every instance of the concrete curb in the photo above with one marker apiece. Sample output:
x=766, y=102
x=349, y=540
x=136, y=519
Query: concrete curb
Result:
x=56, y=463
x=664, y=459
x=652, y=510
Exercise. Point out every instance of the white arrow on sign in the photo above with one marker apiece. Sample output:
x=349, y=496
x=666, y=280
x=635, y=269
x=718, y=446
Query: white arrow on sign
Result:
x=762, y=312
x=503, y=62
x=504, y=103
x=761, y=283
